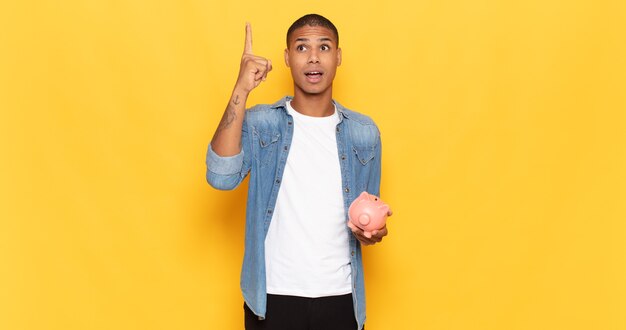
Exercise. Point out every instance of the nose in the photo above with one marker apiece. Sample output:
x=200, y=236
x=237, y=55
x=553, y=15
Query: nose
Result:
x=313, y=58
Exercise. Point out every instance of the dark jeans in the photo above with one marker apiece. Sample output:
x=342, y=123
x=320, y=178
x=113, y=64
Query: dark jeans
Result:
x=300, y=313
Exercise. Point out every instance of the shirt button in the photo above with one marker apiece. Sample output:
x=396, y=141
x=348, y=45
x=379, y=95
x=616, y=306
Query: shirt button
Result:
x=288, y=123
x=277, y=180
x=269, y=211
x=352, y=253
x=343, y=157
x=285, y=148
x=347, y=190
x=337, y=129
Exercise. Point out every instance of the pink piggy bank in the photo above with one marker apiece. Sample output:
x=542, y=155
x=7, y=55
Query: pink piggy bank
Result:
x=368, y=212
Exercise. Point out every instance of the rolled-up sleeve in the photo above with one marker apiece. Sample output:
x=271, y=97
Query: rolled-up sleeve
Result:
x=227, y=172
x=224, y=173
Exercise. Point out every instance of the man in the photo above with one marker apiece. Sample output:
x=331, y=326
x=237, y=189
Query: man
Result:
x=308, y=158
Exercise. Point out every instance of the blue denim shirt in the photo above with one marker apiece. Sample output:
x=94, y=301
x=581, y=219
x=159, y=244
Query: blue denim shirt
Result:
x=266, y=138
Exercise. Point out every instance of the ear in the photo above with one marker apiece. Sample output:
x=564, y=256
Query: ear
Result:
x=338, y=56
x=287, y=56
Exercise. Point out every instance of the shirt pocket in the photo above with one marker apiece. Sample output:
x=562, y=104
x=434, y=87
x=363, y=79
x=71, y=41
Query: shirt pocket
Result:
x=267, y=141
x=364, y=153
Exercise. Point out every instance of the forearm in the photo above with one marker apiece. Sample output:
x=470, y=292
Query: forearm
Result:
x=227, y=137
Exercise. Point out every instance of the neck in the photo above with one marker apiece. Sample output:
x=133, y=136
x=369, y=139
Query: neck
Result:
x=314, y=105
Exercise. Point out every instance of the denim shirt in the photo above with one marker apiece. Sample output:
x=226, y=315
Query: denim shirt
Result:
x=266, y=138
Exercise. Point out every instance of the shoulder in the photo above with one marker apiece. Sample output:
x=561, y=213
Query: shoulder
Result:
x=359, y=124
x=354, y=116
x=362, y=130
x=261, y=113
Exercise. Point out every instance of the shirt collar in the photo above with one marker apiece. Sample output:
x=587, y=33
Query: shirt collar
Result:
x=282, y=103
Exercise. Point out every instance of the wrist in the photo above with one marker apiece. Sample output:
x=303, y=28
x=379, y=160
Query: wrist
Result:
x=241, y=91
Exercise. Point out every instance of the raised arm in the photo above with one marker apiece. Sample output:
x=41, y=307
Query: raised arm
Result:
x=252, y=71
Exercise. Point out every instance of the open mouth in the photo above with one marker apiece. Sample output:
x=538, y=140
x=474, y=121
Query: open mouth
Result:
x=313, y=76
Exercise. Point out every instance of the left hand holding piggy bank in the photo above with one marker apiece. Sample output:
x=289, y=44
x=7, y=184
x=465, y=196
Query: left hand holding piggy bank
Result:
x=367, y=216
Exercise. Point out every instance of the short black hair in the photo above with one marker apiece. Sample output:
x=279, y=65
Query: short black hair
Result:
x=313, y=20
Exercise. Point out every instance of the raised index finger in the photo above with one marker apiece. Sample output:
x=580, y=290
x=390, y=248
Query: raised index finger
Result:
x=248, y=46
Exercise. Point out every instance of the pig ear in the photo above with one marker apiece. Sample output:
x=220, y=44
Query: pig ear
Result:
x=364, y=195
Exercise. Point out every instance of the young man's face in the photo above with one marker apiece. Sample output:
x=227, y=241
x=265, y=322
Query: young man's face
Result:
x=313, y=57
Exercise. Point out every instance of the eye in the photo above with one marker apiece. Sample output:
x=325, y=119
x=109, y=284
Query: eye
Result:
x=300, y=48
x=325, y=47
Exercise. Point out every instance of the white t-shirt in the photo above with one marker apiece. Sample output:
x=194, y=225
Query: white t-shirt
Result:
x=306, y=248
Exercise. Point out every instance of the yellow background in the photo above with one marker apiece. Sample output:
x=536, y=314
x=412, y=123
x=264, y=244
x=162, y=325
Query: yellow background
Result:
x=504, y=159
